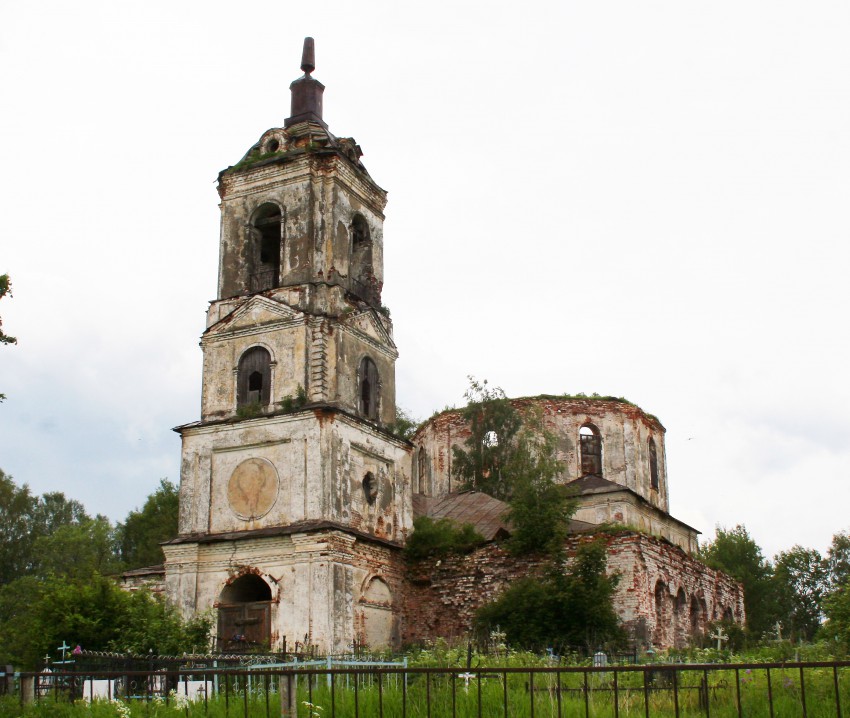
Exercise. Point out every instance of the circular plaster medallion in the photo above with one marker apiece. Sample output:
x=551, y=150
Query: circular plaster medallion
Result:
x=252, y=489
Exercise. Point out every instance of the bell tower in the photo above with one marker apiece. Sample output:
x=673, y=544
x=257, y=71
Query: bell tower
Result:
x=294, y=492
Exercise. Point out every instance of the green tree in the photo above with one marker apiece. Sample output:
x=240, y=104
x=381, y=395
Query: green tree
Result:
x=77, y=550
x=837, y=611
x=16, y=539
x=36, y=615
x=5, y=288
x=736, y=553
x=566, y=606
x=141, y=534
x=540, y=508
x=838, y=561
x=493, y=424
x=800, y=577
x=31, y=528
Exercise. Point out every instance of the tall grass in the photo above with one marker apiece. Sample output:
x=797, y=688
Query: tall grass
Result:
x=559, y=691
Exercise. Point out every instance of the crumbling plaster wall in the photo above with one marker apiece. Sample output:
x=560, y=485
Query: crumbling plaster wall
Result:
x=318, y=355
x=318, y=582
x=442, y=596
x=625, y=430
x=623, y=508
x=318, y=460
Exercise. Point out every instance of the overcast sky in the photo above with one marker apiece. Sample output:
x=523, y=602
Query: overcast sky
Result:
x=646, y=199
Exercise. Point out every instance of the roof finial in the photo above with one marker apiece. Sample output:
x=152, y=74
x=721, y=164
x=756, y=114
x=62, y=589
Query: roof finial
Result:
x=306, y=91
x=308, y=56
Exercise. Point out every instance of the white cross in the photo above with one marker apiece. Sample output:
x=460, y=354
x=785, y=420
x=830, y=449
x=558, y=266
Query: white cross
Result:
x=720, y=636
x=466, y=677
x=63, y=648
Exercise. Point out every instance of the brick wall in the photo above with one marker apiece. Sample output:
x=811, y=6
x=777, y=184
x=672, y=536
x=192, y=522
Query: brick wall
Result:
x=663, y=597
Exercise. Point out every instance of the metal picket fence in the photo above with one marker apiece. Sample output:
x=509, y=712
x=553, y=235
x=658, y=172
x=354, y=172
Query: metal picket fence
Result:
x=313, y=688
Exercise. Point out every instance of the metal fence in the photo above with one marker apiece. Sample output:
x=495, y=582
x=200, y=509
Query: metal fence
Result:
x=773, y=690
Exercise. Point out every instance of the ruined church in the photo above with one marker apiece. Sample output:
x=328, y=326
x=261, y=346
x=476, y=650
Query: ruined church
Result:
x=296, y=497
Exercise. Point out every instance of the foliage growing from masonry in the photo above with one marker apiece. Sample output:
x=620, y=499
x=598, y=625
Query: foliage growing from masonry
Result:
x=568, y=605
x=405, y=425
x=438, y=538
x=512, y=456
x=493, y=424
x=540, y=508
x=288, y=403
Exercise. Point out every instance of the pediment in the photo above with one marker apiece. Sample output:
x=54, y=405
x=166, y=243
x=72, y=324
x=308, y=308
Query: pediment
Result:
x=258, y=311
x=367, y=323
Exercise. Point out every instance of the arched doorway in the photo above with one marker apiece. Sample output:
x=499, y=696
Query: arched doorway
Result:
x=377, y=603
x=244, y=615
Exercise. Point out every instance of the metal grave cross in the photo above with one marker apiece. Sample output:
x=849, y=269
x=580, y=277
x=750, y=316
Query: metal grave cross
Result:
x=466, y=677
x=64, y=648
x=720, y=636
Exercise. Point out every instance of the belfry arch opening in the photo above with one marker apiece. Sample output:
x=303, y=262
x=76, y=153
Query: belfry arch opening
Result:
x=369, y=390
x=267, y=234
x=653, y=465
x=253, y=377
x=361, y=269
x=590, y=441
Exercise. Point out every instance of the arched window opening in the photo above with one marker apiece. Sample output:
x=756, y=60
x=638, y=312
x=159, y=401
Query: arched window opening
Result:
x=662, y=618
x=361, y=270
x=680, y=619
x=698, y=615
x=369, y=389
x=591, y=450
x=253, y=377
x=267, y=238
x=421, y=471
x=653, y=465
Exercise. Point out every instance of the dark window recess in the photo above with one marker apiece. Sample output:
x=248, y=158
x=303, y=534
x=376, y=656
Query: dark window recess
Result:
x=653, y=465
x=423, y=483
x=591, y=450
x=361, y=271
x=370, y=488
x=368, y=399
x=253, y=379
x=267, y=250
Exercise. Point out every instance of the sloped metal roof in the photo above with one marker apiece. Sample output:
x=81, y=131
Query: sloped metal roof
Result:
x=466, y=507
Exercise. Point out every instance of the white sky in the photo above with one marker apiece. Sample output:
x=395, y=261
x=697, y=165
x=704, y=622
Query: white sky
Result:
x=646, y=199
